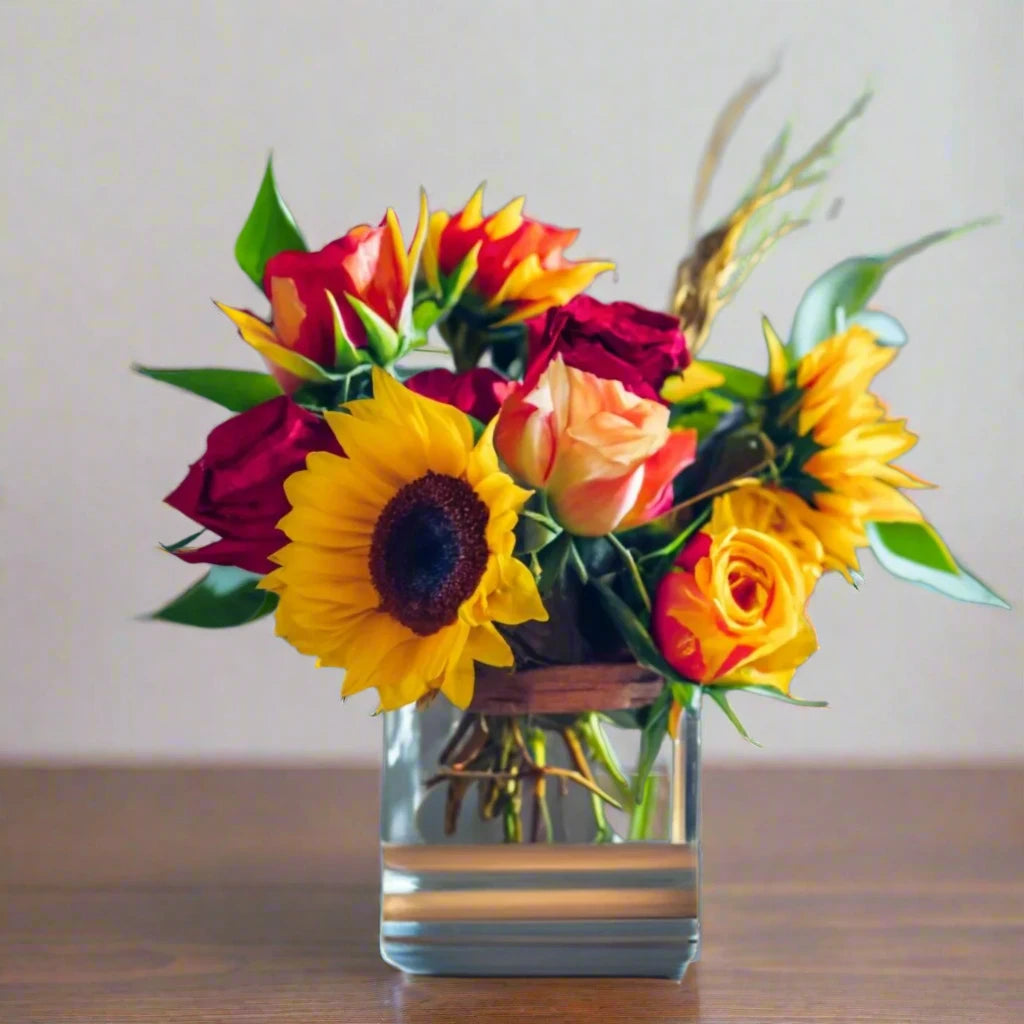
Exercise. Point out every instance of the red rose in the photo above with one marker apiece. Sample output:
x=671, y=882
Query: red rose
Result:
x=369, y=264
x=478, y=393
x=236, y=488
x=616, y=340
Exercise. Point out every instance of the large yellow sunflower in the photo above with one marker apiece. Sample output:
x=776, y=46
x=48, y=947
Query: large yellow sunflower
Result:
x=847, y=442
x=400, y=559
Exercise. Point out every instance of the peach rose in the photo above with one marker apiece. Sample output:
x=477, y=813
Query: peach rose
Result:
x=605, y=457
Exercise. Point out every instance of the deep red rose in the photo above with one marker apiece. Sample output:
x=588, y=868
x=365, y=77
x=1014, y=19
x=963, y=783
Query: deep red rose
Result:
x=236, y=489
x=478, y=393
x=616, y=340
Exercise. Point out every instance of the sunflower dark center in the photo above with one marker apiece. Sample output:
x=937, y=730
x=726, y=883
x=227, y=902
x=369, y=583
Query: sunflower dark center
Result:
x=429, y=551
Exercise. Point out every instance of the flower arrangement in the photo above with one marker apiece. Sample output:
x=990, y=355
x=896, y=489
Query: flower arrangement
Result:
x=579, y=486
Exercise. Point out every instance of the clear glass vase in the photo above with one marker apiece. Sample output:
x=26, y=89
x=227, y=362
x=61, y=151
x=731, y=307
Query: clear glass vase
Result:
x=497, y=860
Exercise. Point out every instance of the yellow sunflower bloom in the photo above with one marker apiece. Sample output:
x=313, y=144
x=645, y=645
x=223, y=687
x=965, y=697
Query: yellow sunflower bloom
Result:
x=853, y=444
x=401, y=555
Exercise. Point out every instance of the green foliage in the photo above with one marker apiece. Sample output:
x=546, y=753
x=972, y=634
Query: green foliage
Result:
x=844, y=290
x=236, y=390
x=346, y=356
x=633, y=632
x=741, y=383
x=381, y=337
x=888, y=329
x=719, y=697
x=702, y=413
x=184, y=542
x=767, y=691
x=268, y=230
x=916, y=552
x=653, y=728
x=224, y=597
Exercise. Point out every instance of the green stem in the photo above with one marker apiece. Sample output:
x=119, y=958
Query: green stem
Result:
x=630, y=563
x=540, y=517
x=604, y=833
x=541, y=812
x=577, y=561
x=601, y=750
x=677, y=543
x=643, y=812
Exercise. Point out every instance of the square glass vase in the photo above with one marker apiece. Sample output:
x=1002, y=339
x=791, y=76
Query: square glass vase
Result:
x=517, y=839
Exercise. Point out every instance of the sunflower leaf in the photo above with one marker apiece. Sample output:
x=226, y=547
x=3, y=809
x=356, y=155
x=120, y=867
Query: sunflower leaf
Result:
x=268, y=230
x=916, y=552
x=849, y=285
x=224, y=597
x=237, y=390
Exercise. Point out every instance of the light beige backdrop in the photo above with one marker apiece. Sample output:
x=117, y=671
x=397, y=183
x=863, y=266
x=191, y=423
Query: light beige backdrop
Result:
x=133, y=138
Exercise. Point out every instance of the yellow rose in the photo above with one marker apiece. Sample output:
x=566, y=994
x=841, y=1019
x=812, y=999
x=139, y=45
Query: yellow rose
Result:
x=734, y=609
x=780, y=513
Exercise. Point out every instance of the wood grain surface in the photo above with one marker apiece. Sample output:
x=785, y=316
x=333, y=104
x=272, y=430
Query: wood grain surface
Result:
x=247, y=894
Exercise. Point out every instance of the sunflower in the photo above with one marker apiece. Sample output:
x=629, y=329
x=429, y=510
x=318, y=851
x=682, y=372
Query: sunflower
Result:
x=845, y=443
x=401, y=555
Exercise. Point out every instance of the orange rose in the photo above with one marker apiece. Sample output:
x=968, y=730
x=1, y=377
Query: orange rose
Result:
x=605, y=456
x=734, y=610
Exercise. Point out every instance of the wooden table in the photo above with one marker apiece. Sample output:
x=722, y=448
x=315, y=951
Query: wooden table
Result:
x=245, y=894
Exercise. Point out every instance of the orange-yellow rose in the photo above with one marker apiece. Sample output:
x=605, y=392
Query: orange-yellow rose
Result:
x=605, y=457
x=734, y=608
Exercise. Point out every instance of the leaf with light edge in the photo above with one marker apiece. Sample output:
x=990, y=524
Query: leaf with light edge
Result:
x=849, y=285
x=268, y=230
x=916, y=552
x=224, y=597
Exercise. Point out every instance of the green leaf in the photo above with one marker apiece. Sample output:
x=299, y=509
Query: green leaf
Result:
x=887, y=328
x=848, y=285
x=701, y=420
x=425, y=314
x=633, y=632
x=916, y=552
x=718, y=696
x=456, y=282
x=654, y=728
x=740, y=382
x=381, y=337
x=184, y=542
x=553, y=561
x=268, y=230
x=224, y=597
x=534, y=532
x=770, y=692
x=236, y=390
x=346, y=355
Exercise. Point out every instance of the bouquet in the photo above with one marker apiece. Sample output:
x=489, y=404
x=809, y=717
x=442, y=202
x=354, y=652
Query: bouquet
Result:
x=578, y=520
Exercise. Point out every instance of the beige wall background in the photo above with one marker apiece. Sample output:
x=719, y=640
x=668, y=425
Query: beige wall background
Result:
x=133, y=137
